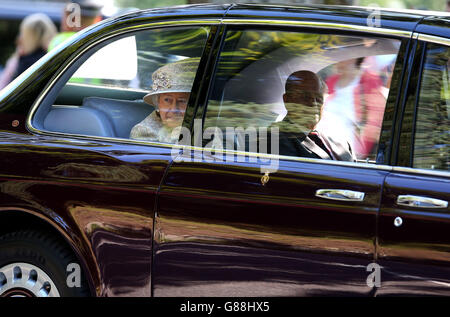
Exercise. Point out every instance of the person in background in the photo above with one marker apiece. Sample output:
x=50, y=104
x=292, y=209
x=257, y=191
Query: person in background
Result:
x=8, y=72
x=354, y=107
x=90, y=13
x=36, y=32
x=170, y=91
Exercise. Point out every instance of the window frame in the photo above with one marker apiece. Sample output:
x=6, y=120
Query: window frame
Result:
x=336, y=29
x=80, y=56
x=411, y=90
x=423, y=57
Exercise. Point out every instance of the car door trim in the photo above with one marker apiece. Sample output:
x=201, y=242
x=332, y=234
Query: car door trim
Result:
x=417, y=201
x=431, y=39
x=320, y=25
x=421, y=171
x=340, y=194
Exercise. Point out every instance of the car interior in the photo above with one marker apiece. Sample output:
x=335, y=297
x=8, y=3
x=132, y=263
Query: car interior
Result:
x=95, y=98
x=263, y=72
x=98, y=117
x=110, y=108
x=264, y=78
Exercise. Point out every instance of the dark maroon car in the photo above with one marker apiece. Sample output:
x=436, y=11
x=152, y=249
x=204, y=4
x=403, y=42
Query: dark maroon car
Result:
x=344, y=192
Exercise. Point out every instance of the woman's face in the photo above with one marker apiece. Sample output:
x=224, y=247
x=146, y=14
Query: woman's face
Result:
x=172, y=107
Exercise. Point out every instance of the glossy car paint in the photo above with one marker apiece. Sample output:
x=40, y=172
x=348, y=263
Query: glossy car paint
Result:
x=218, y=231
x=415, y=256
x=435, y=26
x=99, y=195
x=221, y=232
x=344, y=15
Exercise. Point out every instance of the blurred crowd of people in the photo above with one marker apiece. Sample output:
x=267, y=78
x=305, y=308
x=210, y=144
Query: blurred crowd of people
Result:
x=38, y=35
x=357, y=94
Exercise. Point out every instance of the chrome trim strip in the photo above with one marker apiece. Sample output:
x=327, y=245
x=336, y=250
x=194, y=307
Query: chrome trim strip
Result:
x=107, y=87
x=288, y=158
x=90, y=139
x=433, y=39
x=322, y=25
x=365, y=8
x=340, y=194
x=197, y=150
x=420, y=171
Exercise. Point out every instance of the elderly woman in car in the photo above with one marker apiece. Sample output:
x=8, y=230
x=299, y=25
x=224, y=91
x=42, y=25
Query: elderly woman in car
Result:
x=171, y=87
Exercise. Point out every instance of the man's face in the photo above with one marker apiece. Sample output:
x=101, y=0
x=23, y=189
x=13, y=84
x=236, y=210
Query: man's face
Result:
x=303, y=100
x=172, y=107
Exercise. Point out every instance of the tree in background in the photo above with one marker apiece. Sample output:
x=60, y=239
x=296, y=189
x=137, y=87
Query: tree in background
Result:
x=147, y=4
x=438, y=5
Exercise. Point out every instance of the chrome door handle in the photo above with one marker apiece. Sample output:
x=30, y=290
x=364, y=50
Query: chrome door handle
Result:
x=340, y=194
x=421, y=202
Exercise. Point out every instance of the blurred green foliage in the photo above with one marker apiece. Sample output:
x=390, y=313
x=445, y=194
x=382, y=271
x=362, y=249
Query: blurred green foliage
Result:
x=161, y=46
x=243, y=48
x=147, y=4
x=437, y=5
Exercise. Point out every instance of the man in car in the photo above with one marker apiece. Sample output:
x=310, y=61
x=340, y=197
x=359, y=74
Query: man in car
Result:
x=171, y=87
x=303, y=99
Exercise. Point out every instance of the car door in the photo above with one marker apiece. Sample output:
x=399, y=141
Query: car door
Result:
x=237, y=220
x=88, y=176
x=414, y=217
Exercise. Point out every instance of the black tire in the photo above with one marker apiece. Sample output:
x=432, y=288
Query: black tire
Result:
x=45, y=252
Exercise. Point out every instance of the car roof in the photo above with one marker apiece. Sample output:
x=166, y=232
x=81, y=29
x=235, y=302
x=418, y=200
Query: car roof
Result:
x=392, y=19
x=436, y=26
x=397, y=19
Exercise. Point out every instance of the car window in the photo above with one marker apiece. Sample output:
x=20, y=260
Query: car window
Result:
x=135, y=86
x=324, y=93
x=432, y=132
x=98, y=66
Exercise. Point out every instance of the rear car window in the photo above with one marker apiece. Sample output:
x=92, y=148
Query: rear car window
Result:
x=325, y=90
x=104, y=92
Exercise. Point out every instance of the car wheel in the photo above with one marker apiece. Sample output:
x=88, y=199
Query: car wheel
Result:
x=34, y=264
